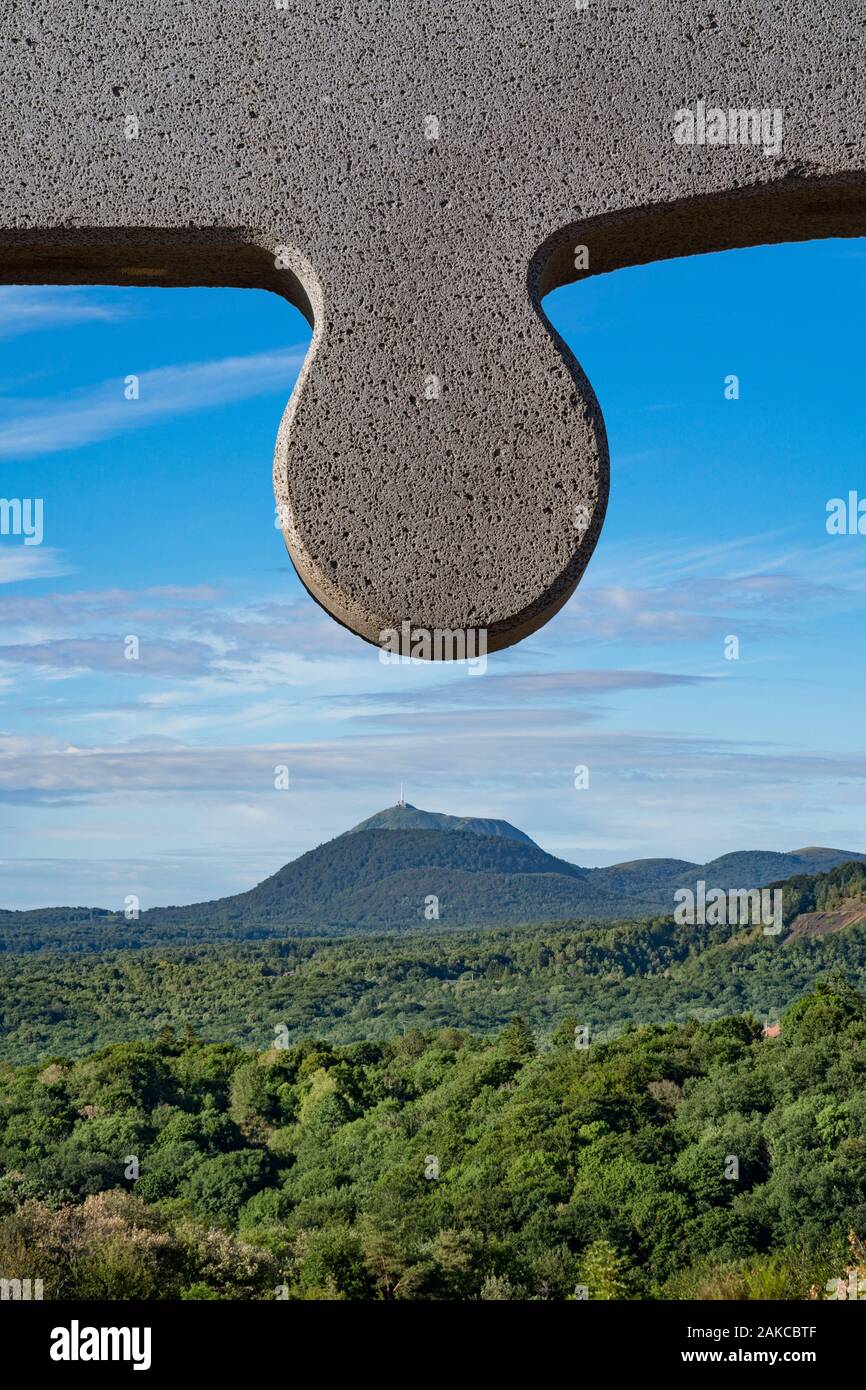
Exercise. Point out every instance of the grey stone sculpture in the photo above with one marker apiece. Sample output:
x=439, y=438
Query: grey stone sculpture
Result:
x=416, y=177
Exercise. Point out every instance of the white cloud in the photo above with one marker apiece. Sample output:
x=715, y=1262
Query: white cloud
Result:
x=19, y=562
x=104, y=653
x=657, y=594
x=49, y=426
x=27, y=309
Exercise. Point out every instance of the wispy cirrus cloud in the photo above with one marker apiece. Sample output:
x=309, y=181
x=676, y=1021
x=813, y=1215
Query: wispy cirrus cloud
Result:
x=668, y=594
x=508, y=690
x=107, y=653
x=20, y=562
x=539, y=754
x=29, y=309
x=46, y=426
x=80, y=606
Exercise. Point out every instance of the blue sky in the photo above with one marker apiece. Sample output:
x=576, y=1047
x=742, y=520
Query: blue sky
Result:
x=156, y=776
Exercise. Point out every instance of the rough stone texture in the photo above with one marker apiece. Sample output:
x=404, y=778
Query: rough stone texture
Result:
x=304, y=128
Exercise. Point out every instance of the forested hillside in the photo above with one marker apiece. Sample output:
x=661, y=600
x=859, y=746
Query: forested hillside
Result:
x=701, y=1161
x=375, y=987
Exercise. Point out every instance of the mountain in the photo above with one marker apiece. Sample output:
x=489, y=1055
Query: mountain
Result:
x=408, y=869
x=656, y=880
x=406, y=817
x=364, y=879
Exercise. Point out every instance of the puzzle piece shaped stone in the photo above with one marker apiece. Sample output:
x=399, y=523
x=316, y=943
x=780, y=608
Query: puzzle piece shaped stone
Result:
x=415, y=177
